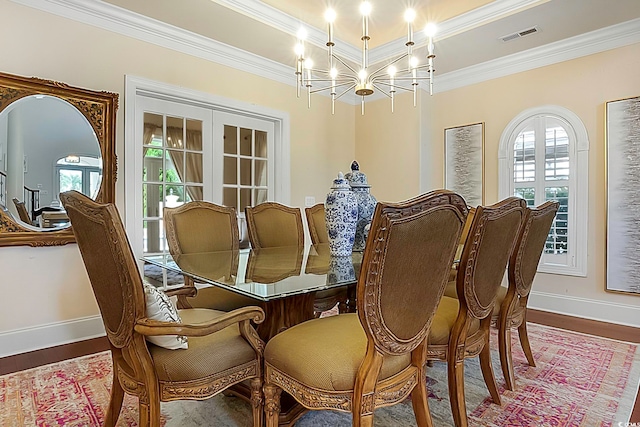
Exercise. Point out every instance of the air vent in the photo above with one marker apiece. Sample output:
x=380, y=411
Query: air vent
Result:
x=519, y=34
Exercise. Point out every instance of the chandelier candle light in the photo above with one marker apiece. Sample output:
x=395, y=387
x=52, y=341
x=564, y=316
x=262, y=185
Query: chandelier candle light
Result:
x=362, y=81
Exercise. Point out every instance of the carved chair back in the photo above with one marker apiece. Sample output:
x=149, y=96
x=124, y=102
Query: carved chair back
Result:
x=272, y=224
x=524, y=260
x=317, y=224
x=200, y=226
x=110, y=264
x=406, y=266
x=491, y=239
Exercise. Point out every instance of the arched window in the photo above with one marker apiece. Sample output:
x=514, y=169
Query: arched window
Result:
x=543, y=156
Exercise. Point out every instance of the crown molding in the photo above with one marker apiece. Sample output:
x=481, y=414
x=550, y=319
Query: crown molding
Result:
x=121, y=21
x=597, y=41
x=279, y=20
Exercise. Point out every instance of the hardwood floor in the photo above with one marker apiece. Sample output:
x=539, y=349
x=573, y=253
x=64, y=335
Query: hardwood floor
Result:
x=46, y=356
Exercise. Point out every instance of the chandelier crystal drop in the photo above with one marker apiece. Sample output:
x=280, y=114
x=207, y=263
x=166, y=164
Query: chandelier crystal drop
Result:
x=396, y=74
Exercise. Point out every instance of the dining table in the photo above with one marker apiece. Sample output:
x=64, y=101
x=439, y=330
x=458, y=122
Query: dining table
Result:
x=283, y=281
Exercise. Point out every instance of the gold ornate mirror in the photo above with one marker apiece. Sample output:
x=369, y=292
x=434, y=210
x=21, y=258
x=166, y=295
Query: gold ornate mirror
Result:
x=53, y=138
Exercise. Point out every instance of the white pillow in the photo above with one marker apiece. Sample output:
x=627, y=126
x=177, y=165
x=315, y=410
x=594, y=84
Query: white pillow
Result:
x=159, y=307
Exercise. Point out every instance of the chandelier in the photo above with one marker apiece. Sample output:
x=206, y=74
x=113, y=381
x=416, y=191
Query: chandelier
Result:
x=400, y=73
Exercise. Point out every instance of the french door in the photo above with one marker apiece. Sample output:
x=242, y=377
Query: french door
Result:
x=174, y=143
x=185, y=153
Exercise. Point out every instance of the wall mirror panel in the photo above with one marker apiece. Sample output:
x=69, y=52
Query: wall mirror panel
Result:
x=53, y=138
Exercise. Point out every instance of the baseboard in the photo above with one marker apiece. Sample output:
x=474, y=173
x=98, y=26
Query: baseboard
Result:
x=49, y=335
x=602, y=311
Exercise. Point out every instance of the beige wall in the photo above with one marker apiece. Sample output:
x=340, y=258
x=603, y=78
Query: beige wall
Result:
x=49, y=285
x=582, y=86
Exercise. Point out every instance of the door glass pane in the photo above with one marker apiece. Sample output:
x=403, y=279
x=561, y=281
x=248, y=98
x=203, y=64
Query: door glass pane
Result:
x=152, y=197
x=194, y=168
x=261, y=196
x=245, y=171
x=245, y=198
x=230, y=139
x=152, y=167
x=174, y=196
x=174, y=161
x=194, y=135
x=194, y=192
x=245, y=142
x=70, y=180
x=261, y=173
x=152, y=130
x=524, y=156
x=153, y=240
x=230, y=198
x=261, y=144
x=175, y=130
x=230, y=170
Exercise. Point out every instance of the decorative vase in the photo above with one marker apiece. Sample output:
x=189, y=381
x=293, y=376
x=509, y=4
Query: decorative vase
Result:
x=341, y=213
x=366, y=204
x=340, y=270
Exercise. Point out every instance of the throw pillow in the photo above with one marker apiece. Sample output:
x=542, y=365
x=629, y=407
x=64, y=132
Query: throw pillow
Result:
x=159, y=307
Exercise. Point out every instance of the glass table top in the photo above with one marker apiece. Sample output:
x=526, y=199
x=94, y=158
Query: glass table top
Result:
x=264, y=274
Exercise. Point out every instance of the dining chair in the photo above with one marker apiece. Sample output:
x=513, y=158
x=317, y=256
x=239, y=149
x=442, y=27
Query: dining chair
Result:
x=272, y=224
x=325, y=300
x=357, y=362
x=317, y=223
x=223, y=348
x=460, y=327
x=463, y=238
x=198, y=227
x=511, y=305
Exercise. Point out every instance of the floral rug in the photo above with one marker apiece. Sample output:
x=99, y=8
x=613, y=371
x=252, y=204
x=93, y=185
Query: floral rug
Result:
x=579, y=380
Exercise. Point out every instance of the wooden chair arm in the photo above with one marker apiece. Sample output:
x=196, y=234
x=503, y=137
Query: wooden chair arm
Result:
x=188, y=291
x=148, y=327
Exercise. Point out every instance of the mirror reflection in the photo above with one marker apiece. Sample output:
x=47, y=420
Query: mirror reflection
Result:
x=47, y=147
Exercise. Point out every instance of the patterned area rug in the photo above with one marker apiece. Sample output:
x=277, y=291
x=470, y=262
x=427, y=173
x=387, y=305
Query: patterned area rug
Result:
x=580, y=380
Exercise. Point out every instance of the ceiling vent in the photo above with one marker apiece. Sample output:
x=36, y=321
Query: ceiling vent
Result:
x=519, y=34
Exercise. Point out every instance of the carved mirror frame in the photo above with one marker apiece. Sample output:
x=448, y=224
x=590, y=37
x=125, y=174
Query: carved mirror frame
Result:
x=99, y=108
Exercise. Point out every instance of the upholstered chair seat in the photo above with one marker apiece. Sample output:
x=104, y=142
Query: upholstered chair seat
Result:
x=444, y=319
x=357, y=362
x=206, y=356
x=326, y=353
x=450, y=292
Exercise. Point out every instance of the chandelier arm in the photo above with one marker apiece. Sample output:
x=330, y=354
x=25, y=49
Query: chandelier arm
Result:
x=400, y=58
x=342, y=81
x=345, y=64
x=320, y=89
x=407, y=79
x=381, y=90
x=346, y=90
x=395, y=86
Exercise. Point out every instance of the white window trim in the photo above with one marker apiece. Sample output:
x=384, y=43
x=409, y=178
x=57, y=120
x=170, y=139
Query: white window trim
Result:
x=135, y=86
x=581, y=153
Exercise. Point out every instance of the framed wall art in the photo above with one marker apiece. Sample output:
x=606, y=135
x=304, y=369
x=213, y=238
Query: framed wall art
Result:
x=464, y=162
x=623, y=195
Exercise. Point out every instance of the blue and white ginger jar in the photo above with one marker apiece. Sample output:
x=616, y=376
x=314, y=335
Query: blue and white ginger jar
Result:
x=366, y=204
x=341, y=213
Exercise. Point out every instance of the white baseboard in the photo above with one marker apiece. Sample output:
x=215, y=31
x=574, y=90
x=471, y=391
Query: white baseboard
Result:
x=603, y=311
x=49, y=335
